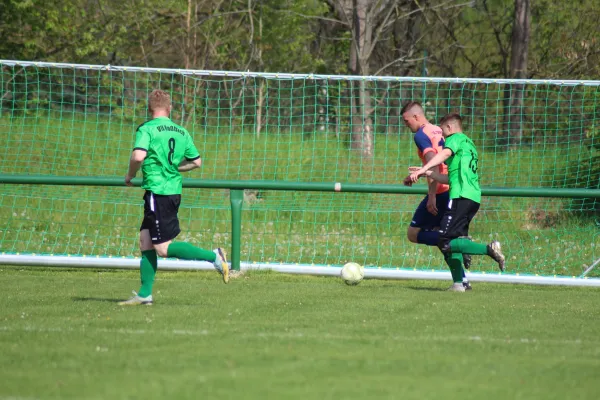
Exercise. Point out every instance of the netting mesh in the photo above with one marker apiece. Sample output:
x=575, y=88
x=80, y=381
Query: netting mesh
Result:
x=76, y=121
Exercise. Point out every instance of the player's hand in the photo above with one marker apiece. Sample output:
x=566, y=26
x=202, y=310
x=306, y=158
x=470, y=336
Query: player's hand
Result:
x=128, y=179
x=431, y=205
x=414, y=176
x=407, y=181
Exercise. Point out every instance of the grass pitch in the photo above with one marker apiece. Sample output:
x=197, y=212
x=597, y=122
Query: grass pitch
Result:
x=267, y=335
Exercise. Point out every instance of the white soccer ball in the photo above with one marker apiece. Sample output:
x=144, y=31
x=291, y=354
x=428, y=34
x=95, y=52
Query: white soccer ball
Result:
x=352, y=273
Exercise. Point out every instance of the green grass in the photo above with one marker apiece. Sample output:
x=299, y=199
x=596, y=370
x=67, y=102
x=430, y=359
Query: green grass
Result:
x=275, y=336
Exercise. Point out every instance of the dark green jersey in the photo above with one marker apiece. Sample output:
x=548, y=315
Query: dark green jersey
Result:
x=462, y=167
x=167, y=145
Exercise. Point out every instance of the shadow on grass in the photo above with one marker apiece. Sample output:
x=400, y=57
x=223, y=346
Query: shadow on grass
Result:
x=96, y=299
x=429, y=289
x=106, y=300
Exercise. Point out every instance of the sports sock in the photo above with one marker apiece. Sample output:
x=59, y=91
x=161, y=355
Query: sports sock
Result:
x=454, y=261
x=148, y=266
x=186, y=251
x=430, y=238
x=467, y=246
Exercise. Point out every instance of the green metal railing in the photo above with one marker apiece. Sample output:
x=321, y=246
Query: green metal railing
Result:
x=237, y=192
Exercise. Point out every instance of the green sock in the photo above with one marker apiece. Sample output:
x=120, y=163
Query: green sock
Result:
x=467, y=246
x=186, y=251
x=454, y=261
x=148, y=266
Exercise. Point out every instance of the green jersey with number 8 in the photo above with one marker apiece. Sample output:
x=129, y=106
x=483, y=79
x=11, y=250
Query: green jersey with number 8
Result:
x=462, y=167
x=166, y=144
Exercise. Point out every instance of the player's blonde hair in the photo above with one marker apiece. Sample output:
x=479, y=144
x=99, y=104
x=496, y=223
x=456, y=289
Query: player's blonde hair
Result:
x=159, y=99
x=412, y=106
x=453, y=118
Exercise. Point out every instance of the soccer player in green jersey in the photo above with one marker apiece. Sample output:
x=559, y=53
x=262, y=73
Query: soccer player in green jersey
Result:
x=461, y=157
x=425, y=223
x=163, y=150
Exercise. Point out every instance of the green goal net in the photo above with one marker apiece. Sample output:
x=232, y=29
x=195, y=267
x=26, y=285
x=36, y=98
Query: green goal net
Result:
x=77, y=120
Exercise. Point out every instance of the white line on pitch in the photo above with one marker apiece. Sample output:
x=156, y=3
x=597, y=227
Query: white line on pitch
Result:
x=303, y=335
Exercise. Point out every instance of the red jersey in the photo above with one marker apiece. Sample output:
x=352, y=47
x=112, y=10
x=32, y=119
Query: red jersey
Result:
x=429, y=138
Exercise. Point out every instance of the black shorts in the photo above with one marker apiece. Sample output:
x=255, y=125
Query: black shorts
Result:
x=160, y=216
x=456, y=220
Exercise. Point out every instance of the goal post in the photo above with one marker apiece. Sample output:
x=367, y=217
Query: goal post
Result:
x=67, y=123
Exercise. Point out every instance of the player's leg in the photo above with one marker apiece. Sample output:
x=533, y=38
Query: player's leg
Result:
x=442, y=201
x=467, y=261
x=184, y=251
x=464, y=245
x=148, y=266
x=421, y=229
x=463, y=212
x=466, y=264
x=467, y=257
x=493, y=249
x=428, y=225
x=166, y=229
x=187, y=251
x=460, y=282
x=148, y=263
x=450, y=228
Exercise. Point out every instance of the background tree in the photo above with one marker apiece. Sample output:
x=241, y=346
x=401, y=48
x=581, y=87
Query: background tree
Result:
x=513, y=93
x=462, y=38
x=454, y=38
x=368, y=23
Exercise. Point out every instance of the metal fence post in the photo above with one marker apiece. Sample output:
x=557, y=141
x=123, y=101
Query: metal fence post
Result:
x=237, y=200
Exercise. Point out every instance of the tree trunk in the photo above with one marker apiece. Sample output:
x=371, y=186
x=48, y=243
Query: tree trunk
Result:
x=187, y=54
x=513, y=95
x=261, y=88
x=362, y=124
x=259, y=107
x=324, y=117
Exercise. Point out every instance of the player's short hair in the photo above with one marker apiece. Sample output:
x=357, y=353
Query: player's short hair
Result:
x=159, y=99
x=410, y=105
x=452, y=118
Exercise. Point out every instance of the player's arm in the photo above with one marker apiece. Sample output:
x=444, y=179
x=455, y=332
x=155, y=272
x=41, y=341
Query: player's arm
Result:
x=135, y=163
x=434, y=162
x=431, y=174
x=188, y=165
x=425, y=146
x=438, y=177
x=192, y=158
x=138, y=155
x=432, y=183
x=432, y=188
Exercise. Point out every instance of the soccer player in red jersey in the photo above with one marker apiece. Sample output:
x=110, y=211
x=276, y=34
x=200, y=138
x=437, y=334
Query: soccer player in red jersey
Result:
x=424, y=226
